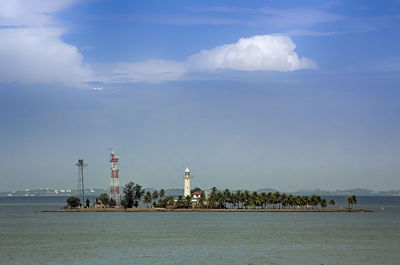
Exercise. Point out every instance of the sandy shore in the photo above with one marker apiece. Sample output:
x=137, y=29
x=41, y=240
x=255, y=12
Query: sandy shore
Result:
x=89, y=210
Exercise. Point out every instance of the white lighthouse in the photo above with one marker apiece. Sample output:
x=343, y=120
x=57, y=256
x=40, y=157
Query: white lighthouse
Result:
x=186, y=190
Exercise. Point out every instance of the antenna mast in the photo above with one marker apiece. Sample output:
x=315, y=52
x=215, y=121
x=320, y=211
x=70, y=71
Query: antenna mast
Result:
x=80, y=189
x=114, y=181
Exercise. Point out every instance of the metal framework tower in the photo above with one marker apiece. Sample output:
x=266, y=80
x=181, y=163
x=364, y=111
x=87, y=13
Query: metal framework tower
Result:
x=114, y=182
x=80, y=189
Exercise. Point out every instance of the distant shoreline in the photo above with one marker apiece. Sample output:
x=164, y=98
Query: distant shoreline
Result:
x=91, y=210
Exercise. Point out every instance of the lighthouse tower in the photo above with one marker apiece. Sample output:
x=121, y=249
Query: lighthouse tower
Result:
x=186, y=190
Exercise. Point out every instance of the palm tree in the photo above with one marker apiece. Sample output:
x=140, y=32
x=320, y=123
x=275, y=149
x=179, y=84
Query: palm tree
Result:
x=201, y=200
x=323, y=203
x=284, y=200
x=291, y=201
x=297, y=201
x=276, y=199
x=180, y=203
x=188, y=202
x=234, y=200
x=238, y=196
x=212, y=199
x=147, y=198
x=155, y=195
x=315, y=200
x=263, y=199
x=170, y=200
x=255, y=199
x=349, y=201
x=228, y=197
x=354, y=199
x=139, y=193
x=270, y=199
x=220, y=199
x=162, y=193
x=246, y=199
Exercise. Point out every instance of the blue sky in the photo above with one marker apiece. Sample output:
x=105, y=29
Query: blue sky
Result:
x=248, y=94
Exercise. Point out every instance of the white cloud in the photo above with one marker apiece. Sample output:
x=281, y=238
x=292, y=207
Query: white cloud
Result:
x=30, y=12
x=31, y=49
x=295, y=17
x=37, y=55
x=258, y=53
x=97, y=88
x=264, y=53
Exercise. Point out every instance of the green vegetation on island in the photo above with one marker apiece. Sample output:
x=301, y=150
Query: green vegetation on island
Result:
x=352, y=200
x=134, y=195
x=73, y=202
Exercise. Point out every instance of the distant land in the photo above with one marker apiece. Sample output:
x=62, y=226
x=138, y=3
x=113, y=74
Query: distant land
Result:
x=177, y=192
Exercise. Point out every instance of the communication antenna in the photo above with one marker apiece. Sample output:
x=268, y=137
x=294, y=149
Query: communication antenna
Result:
x=80, y=189
x=114, y=180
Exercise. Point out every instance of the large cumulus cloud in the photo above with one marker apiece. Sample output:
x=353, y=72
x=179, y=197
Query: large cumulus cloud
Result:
x=265, y=53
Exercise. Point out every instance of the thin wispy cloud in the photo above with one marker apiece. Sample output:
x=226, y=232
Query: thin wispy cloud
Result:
x=150, y=71
x=182, y=20
x=226, y=15
x=295, y=17
x=281, y=18
x=308, y=21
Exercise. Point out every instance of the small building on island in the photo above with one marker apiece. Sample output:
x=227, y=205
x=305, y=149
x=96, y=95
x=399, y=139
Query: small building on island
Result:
x=196, y=195
x=98, y=203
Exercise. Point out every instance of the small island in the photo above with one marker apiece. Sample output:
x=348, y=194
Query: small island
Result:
x=137, y=199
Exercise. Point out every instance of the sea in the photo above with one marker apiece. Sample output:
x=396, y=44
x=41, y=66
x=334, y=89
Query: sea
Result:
x=29, y=236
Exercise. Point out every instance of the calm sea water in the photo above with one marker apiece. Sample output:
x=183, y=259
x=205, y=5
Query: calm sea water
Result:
x=28, y=236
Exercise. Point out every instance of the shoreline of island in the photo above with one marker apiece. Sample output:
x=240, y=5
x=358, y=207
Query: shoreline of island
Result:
x=91, y=210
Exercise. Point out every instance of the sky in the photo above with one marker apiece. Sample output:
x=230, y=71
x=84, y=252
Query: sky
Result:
x=248, y=94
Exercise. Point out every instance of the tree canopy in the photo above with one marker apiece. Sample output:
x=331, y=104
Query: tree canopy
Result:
x=73, y=201
x=352, y=200
x=133, y=193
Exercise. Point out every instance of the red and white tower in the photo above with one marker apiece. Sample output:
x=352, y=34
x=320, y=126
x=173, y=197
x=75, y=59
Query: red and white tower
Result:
x=114, y=182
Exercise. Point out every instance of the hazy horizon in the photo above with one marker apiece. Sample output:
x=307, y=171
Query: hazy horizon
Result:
x=203, y=188
x=282, y=94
